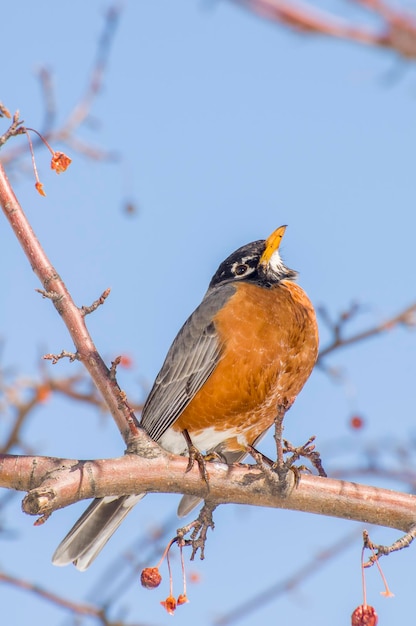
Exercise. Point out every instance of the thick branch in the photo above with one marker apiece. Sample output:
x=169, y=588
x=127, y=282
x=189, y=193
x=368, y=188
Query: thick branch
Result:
x=55, y=483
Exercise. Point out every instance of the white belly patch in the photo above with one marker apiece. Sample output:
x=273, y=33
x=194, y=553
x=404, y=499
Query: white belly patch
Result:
x=175, y=442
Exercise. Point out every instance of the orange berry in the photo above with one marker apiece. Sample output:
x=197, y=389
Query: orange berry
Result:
x=39, y=188
x=60, y=162
x=182, y=599
x=43, y=393
x=150, y=577
x=126, y=361
x=364, y=615
x=169, y=604
x=356, y=422
x=194, y=577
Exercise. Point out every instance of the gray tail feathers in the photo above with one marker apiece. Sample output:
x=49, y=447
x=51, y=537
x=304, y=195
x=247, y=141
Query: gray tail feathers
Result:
x=94, y=528
x=97, y=524
x=187, y=504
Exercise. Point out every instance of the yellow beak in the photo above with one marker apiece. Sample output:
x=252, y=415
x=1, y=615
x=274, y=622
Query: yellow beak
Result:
x=272, y=244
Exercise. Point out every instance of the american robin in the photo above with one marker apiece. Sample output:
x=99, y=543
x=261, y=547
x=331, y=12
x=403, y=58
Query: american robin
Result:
x=243, y=354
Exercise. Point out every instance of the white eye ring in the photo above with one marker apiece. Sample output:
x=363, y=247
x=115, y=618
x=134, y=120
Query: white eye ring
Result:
x=240, y=269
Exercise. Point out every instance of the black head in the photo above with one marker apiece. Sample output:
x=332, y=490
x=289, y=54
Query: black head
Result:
x=258, y=262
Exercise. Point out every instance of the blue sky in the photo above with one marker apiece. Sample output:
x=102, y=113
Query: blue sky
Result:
x=226, y=126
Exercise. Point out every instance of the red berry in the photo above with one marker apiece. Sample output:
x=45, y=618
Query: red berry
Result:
x=150, y=577
x=356, y=422
x=364, y=615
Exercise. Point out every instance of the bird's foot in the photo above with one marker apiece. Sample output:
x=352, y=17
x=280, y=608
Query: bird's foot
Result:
x=195, y=455
x=199, y=529
x=282, y=409
x=277, y=471
x=273, y=471
x=307, y=451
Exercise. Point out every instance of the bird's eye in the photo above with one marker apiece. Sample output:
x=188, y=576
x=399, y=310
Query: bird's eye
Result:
x=241, y=269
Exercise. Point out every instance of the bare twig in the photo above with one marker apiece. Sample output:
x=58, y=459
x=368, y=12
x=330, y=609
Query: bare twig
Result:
x=381, y=550
x=66, y=133
x=114, y=365
x=22, y=411
x=397, y=33
x=72, y=356
x=407, y=317
x=86, y=310
x=15, y=128
x=51, y=295
x=77, y=608
x=67, y=387
x=4, y=111
x=14, y=396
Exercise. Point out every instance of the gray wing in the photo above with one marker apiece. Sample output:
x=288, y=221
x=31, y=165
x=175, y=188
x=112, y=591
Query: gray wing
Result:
x=190, y=361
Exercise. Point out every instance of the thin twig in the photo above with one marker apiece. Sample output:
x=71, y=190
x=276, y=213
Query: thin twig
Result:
x=15, y=128
x=82, y=109
x=4, y=111
x=22, y=411
x=86, y=310
x=72, y=356
x=74, y=607
x=407, y=317
x=382, y=550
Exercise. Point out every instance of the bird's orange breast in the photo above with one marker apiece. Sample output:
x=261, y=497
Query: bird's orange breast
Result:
x=270, y=345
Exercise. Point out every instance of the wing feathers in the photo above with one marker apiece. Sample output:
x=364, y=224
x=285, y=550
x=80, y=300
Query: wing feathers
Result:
x=189, y=362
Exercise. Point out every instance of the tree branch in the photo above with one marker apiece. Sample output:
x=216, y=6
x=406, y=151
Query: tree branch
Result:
x=398, y=30
x=82, y=109
x=55, y=483
x=407, y=318
x=77, y=608
x=71, y=315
